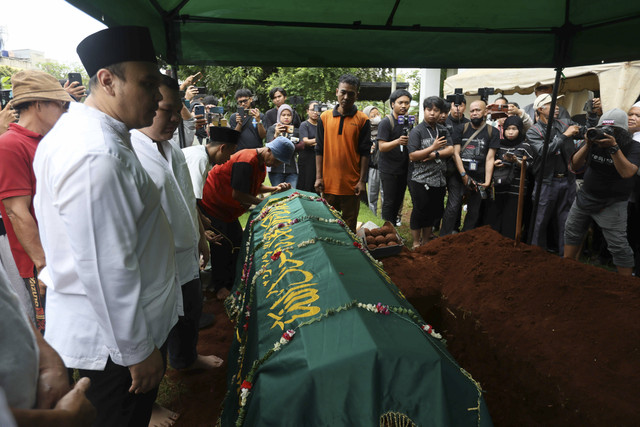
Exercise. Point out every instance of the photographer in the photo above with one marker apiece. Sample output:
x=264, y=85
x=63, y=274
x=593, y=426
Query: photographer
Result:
x=393, y=137
x=285, y=172
x=475, y=146
x=558, y=188
x=249, y=122
x=610, y=159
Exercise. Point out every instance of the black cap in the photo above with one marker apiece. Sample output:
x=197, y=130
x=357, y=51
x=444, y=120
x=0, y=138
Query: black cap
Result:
x=116, y=45
x=223, y=134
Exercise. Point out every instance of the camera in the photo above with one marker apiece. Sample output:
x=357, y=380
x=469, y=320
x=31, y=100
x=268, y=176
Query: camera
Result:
x=319, y=108
x=6, y=95
x=198, y=110
x=243, y=112
x=201, y=90
x=498, y=111
x=457, y=98
x=296, y=100
x=595, y=134
x=582, y=131
x=484, y=93
x=214, y=115
x=75, y=77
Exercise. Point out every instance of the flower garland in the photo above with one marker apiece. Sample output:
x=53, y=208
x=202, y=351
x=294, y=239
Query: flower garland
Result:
x=237, y=306
x=287, y=336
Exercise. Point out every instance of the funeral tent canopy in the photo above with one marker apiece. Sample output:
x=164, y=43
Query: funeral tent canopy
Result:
x=375, y=33
x=618, y=83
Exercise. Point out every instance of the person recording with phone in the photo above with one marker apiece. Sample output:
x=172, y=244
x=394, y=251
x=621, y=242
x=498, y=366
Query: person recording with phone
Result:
x=285, y=172
x=609, y=158
x=503, y=209
x=247, y=121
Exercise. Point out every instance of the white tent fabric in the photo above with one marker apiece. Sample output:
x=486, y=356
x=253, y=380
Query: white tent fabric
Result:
x=619, y=83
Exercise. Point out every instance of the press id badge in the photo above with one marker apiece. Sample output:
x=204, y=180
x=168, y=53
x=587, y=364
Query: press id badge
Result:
x=473, y=165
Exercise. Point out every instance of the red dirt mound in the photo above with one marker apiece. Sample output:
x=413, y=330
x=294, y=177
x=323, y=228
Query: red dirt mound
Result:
x=553, y=342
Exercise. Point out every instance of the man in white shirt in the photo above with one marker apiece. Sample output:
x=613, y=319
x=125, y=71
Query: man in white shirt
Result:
x=166, y=165
x=112, y=295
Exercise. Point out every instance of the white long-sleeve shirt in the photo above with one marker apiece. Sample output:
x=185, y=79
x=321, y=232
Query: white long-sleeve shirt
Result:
x=199, y=166
x=176, y=198
x=110, y=255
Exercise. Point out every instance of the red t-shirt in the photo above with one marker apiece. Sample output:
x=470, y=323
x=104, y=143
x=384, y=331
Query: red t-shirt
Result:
x=17, y=149
x=242, y=172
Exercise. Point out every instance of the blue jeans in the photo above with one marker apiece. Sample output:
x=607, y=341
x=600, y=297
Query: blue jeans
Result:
x=278, y=178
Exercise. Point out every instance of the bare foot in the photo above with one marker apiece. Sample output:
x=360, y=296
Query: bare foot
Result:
x=205, y=362
x=162, y=417
x=223, y=293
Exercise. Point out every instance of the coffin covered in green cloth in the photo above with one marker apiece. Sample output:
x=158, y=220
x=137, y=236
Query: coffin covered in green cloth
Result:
x=323, y=338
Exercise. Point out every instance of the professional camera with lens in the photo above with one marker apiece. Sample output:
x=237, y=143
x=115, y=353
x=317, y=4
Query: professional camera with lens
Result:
x=582, y=131
x=595, y=134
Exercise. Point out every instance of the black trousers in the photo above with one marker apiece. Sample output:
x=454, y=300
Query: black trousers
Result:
x=109, y=393
x=394, y=188
x=183, y=338
x=502, y=214
x=224, y=257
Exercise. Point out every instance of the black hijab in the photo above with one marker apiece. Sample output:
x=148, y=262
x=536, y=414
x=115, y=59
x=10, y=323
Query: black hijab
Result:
x=517, y=122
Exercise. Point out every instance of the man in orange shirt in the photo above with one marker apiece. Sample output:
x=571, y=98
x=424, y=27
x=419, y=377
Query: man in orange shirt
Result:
x=343, y=144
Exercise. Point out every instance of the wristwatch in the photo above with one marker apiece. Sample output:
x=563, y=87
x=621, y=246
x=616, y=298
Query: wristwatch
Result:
x=437, y=154
x=613, y=149
x=463, y=174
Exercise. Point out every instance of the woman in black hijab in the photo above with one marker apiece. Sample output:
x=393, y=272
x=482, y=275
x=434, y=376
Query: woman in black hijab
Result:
x=502, y=210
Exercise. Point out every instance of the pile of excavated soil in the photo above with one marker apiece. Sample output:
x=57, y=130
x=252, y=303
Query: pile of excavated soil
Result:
x=552, y=342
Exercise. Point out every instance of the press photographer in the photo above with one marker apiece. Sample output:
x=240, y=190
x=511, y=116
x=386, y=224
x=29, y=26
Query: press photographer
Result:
x=609, y=158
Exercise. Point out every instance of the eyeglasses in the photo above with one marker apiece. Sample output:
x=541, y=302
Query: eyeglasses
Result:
x=243, y=101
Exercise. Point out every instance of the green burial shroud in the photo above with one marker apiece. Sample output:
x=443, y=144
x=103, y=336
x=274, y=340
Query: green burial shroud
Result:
x=357, y=353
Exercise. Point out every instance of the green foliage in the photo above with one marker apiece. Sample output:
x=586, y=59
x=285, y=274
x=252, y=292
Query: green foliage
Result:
x=310, y=83
x=5, y=75
x=60, y=71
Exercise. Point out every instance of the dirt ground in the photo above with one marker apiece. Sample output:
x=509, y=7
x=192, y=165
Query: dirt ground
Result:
x=553, y=342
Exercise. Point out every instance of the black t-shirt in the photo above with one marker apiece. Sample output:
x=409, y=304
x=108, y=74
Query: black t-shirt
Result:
x=307, y=130
x=395, y=161
x=475, y=153
x=602, y=180
x=452, y=123
x=249, y=136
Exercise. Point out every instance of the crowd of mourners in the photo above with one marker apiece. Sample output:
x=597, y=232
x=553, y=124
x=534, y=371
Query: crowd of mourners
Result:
x=113, y=203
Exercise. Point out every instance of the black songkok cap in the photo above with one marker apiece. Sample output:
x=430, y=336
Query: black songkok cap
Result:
x=115, y=45
x=223, y=134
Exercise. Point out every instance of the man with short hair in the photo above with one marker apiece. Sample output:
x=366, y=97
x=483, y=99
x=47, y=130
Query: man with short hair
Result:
x=343, y=144
x=610, y=160
x=474, y=150
x=558, y=188
x=249, y=123
x=230, y=190
x=40, y=101
x=278, y=96
x=456, y=115
x=112, y=298
x=393, y=161
x=530, y=109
